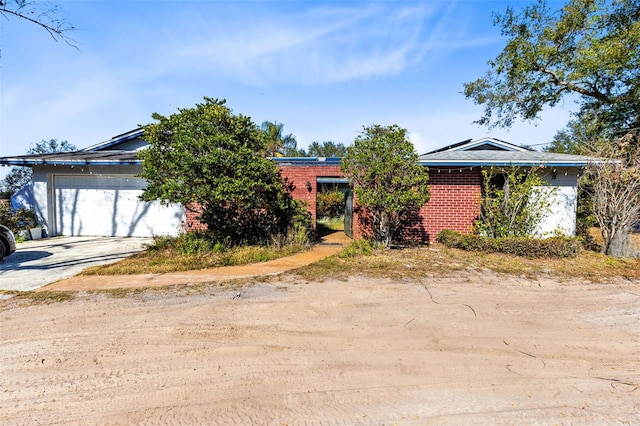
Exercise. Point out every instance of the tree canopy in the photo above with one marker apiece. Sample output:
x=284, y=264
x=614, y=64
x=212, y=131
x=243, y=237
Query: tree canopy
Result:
x=326, y=149
x=211, y=159
x=383, y=167
x=588, y=50
x=277, y=143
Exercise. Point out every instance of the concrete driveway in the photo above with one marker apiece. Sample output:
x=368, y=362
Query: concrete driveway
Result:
x=40, y=262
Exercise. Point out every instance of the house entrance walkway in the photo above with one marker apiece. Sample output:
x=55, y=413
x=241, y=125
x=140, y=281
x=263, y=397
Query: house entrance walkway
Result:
x=329, y=245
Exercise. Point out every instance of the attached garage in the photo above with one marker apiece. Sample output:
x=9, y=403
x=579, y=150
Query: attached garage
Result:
x=109, y=205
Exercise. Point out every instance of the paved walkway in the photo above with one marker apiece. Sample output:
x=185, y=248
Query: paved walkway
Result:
x=329, y=245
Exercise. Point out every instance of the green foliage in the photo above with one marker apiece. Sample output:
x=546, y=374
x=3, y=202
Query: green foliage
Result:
x=330, y=204
x=589, y=49
x=326, y=225
x=18, y=220
x=326, y=149
x=559, y=246
x=361, y=247
x=388, y=180
x=188, y=244
x=211, y=158
x=513, y=202
x=277, y=143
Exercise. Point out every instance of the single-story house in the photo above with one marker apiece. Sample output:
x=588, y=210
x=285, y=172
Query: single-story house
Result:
x=95, y=191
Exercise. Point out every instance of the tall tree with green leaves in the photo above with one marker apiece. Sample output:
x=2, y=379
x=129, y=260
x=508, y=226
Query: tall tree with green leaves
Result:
x=326, y=149
x=388, y=181
x=211, y=161
x=20, y=176
x=277, y=143
x=589, y=50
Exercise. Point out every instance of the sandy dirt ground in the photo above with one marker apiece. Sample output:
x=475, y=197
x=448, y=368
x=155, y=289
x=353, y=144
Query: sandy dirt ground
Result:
x=475, y=348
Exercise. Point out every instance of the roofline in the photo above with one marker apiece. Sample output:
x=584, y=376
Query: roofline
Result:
x=503, y=163
x=490, y=141
x=27, y=163
x=131, y=134
x=329, y=161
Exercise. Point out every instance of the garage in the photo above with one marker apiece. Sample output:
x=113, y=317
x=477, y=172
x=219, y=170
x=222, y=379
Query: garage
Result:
x=108, y=205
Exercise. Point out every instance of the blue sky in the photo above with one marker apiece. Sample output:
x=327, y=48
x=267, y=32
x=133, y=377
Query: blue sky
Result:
x=323, y=69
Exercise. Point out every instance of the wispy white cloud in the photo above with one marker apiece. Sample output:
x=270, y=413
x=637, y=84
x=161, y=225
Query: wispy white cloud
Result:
x=318, y=44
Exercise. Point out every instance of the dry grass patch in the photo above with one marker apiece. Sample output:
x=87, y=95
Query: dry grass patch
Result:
x=169, y=259
x=41, y=297
x=440, y=260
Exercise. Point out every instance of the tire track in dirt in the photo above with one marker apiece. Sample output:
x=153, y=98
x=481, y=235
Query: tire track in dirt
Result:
x=357, y=352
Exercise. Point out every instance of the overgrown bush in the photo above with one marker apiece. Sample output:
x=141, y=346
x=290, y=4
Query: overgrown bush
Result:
x=185, y=244
x=559, y=246
x=330, y=204
x=18, y=220
x=362, y=247
x=514, y=202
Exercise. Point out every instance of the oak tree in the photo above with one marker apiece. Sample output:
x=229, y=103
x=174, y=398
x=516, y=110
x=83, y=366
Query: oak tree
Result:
x=589, y=50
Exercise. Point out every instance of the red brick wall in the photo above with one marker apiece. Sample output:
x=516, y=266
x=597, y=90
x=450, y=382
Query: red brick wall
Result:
x=454, y=203
x=299, y=175
x=191, y=222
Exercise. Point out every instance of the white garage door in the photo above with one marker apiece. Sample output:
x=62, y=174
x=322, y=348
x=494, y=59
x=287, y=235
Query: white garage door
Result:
x=109, y=206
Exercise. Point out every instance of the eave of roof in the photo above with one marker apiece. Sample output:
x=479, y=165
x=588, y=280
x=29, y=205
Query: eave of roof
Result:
x=96, y=158
x=504, y=158
x=328, y=161
x=132, y=134
x=470, y=144
x=439, y=159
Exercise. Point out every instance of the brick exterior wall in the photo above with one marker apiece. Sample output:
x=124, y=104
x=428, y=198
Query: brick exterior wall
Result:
x=299, y=175
x=454, y=203
x=191, y=221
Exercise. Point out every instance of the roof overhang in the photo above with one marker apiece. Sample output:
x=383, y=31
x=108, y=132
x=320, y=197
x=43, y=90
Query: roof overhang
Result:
x=301, y=161
x=78, y=158
x=505, y=159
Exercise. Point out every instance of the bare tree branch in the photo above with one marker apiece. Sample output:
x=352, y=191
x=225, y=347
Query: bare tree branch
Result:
x=40, y=13
x=615, y=188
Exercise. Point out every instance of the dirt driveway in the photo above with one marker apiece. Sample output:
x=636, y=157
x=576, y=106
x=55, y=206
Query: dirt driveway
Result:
x=475, y=348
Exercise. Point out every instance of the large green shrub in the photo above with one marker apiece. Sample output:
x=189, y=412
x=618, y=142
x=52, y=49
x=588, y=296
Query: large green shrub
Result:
x=210, y=158
x=18, y=220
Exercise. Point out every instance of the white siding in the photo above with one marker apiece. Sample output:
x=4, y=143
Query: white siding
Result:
x=563, y=194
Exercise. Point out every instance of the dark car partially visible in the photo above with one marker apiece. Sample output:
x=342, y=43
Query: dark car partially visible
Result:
x=7, y=242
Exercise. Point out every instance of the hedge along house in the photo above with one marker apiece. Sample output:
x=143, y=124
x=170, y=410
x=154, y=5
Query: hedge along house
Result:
x=95, y=191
